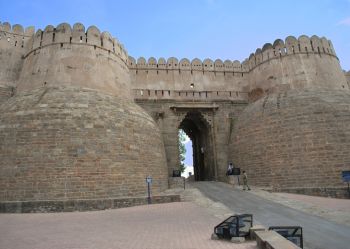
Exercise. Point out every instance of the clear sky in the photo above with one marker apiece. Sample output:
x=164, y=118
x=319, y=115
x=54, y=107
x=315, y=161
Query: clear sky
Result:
x=225, y=29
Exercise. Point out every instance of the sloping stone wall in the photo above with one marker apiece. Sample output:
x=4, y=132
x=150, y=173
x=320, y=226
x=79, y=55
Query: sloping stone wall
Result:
x=73, y=143
x=295, y=139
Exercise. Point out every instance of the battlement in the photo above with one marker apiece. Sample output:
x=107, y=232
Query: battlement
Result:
x=65, y=34
x=291, y=46
x=284, y=64
x=186, y=65
x=15, y=35
x=13, y=45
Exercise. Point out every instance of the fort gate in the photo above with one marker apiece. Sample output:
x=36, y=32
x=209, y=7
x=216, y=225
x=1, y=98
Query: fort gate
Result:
x=206, y=117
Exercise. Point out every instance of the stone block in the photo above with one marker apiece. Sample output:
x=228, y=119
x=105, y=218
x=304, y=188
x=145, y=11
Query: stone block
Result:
x=237, y=240
x=254, y=229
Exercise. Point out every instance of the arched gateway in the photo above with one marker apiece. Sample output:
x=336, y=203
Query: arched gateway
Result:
x=208, y=122
x=200, y=131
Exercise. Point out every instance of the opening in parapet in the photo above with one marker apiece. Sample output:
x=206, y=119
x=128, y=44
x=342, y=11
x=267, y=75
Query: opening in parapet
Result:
x=199, y=132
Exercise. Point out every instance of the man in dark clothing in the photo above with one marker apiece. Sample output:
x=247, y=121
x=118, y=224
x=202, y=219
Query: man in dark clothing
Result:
x=229, y=169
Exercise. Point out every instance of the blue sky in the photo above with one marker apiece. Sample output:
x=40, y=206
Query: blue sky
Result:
x=194, y=28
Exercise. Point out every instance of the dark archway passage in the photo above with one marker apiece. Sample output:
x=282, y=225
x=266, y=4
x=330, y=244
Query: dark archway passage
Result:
x=199, y=131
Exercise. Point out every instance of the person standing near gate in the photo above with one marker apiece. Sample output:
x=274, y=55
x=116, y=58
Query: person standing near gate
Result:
x=229, y=169
x=245, y=181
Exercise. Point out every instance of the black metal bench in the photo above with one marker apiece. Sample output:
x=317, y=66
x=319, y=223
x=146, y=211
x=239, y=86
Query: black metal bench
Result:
x=234, y=226
x=292, y=233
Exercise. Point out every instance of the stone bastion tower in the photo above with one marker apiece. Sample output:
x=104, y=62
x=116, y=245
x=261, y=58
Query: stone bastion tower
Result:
x=82, y=124
x=296, y=136
x=69, y=128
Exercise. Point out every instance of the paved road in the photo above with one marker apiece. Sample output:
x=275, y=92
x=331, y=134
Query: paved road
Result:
x=318, y=232
x=181, y=225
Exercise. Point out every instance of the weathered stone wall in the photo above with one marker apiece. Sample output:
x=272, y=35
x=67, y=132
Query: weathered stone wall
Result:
x=290, y=64
x=295, y=140
x=5, y=93
x=72, y=130
x=70, y=143
x=177, y=75
x=296, y=64
x=13, y=45
x=63, y=56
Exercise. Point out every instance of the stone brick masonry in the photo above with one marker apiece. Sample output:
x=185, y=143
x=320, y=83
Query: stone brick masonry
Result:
x=301, y=141
x=77, y=144
x=70, y=128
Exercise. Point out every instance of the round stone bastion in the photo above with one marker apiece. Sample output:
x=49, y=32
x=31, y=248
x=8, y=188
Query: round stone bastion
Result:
x=69, y=143
x=295, y=141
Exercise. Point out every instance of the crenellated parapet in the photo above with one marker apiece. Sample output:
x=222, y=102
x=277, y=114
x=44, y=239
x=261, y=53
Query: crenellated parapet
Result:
x=185, y=76
x=64, y=34
x=72, y=56
x=295, y=64
x=13, y=45
x=292, y=63
x=291, y=46
x=16, y=35
x=185, y=64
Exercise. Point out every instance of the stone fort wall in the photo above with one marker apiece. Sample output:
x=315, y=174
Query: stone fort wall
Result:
x=69, y=129
x=14, y=44
x=70, y=92
x=291, y=64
